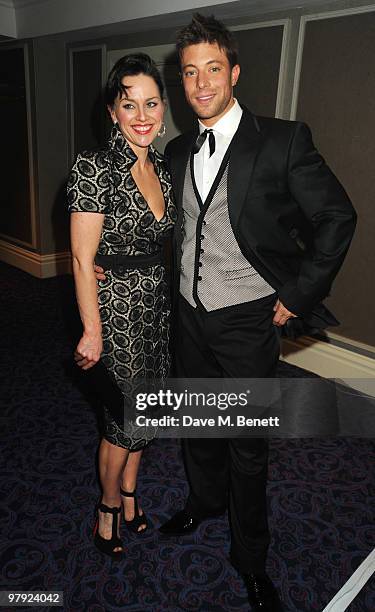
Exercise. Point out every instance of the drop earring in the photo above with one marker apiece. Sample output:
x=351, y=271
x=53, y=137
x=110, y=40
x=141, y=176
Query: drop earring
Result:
x=162, y=131
x=114, y=129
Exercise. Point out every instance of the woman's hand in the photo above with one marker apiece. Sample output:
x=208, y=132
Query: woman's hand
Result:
x=88, y=350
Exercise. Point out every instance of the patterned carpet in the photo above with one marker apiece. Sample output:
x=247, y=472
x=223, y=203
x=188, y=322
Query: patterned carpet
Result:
x=319, y=491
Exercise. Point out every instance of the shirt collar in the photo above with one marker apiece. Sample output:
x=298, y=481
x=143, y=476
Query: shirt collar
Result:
x=122, y=152
x=227, y=125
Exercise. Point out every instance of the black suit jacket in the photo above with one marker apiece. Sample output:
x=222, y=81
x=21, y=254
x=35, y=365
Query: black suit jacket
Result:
x=291, y=217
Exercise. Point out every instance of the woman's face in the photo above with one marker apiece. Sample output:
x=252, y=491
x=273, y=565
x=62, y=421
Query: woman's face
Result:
x=139, y=112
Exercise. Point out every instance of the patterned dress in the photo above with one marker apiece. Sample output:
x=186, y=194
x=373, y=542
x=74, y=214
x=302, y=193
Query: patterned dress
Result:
x=133, y=303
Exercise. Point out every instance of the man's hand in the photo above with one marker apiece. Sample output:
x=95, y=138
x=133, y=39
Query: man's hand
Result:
x=282, y=314
x=99, y=273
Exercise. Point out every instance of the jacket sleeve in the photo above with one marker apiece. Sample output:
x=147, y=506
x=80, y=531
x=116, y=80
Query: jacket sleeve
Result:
x=327, y=207
x=167, y=156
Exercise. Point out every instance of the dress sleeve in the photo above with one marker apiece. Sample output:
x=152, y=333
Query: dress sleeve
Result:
x=88, y=184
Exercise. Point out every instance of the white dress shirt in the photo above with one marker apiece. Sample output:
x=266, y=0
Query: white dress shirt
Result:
x=206, y=167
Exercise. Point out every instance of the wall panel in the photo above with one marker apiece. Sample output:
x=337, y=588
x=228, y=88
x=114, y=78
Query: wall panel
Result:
x=87, y=112
x=16, y=219
x=336, y=98
x=260, y=53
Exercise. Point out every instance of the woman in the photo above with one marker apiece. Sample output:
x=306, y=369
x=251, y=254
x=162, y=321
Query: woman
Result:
x=127, y=191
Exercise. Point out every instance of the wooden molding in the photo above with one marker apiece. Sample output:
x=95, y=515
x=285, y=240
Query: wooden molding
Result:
x=41, y=266
x=329, y=361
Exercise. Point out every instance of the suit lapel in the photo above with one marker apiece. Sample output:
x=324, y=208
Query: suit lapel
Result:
x=178, y=162
x=178, y=166
x=245, y=147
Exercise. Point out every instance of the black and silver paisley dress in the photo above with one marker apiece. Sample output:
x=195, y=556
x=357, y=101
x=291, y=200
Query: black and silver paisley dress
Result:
x=133, y=303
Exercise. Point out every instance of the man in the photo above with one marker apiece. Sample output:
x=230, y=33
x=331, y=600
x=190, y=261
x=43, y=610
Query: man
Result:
x=263, y=229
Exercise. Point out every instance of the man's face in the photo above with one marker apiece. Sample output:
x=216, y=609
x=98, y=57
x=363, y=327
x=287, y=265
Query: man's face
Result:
x=208, y=81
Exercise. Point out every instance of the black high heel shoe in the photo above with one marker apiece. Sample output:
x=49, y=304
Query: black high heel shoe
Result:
x=139, y=519
x=108, y=546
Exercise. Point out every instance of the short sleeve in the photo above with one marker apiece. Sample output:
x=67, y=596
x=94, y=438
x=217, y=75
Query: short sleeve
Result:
x=88, y=183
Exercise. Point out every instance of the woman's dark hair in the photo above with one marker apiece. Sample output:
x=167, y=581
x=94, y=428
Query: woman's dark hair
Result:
x=203, y=29
x=130, y=65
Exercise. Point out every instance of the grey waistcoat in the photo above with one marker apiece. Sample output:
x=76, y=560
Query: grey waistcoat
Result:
x=219, y=276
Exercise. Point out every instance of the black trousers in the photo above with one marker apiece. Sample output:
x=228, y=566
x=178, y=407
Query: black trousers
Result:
x=235, y=342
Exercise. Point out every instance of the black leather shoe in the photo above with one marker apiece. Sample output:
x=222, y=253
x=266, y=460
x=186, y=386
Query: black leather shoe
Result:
x=180, y=524
x=262, y=593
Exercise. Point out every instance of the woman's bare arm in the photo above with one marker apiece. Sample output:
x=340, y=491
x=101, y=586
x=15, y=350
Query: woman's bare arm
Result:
x=85, y=230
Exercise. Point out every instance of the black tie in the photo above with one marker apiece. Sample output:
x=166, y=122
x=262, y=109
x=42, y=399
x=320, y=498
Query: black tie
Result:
x=200, y=140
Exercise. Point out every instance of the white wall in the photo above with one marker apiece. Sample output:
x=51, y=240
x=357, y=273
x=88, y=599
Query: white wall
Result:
x=43, y=17
x=7, y=19
x=36, y=18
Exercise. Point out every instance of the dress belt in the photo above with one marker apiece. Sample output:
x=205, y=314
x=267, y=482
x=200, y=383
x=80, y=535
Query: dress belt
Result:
x=118, y=262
